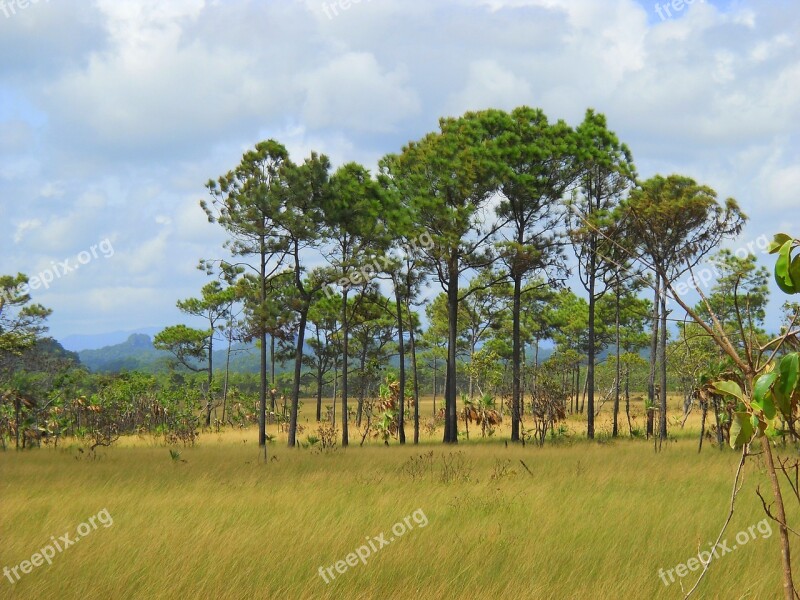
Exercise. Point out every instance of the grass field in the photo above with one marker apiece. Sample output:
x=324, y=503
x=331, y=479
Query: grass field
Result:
x=590, y=520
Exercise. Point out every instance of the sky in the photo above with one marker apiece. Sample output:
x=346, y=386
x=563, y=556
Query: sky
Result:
x=115, y=113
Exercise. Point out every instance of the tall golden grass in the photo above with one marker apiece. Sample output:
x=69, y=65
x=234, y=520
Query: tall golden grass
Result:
x=590, y=520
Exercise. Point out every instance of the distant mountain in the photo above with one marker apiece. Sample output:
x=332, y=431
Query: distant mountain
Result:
x=138, y=354
x=79, y=342
x=135, y=354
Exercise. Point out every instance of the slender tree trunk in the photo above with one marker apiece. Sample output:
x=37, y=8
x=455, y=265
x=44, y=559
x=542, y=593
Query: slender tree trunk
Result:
x=628, y=399
x=516, y=358
x=535, y=366
x=522, y=381
x=651, y=381
x=210, y=380
x=227, y=375
x=298, y=372
x=615, y=429
x=362, y=386
x=663, y=365
x=262, y=400
x=413, y=347
x=583, y=396
x=272, y=373
x=319, y=390
x=720, y=433
x=590, y=366
x=345, y=361
x=451, y=418
x=401, y=429
x=703, y=414
x=471, y=383
x=435, y=369
x=335, y=384
x=17, y=411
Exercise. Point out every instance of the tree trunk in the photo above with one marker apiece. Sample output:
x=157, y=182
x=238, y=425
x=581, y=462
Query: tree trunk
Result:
x=535, y=365
x=362, y=386
x=413, y=347
x=590, y=365
x=17, y=411
x=615, y=428
x=401, y=430
x=703, y=413
x=435, y=369
x=515, y=336
x=663, y=365
x=651, y=381
x=210, y=377
x=272, y=373
x=298, y=371
x=720, y=434
x=319, y=391
x=335, y=383
x=345, y=360
x=451, y=419
x=227, y=375
x=583, y=397
x=262, y=400
x=628, y=399
x=522, y=380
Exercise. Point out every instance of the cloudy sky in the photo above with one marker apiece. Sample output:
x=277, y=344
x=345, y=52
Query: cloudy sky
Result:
x=114, y=113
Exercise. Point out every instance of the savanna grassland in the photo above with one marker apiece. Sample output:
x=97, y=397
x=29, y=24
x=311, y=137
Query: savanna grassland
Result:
x=571, y=520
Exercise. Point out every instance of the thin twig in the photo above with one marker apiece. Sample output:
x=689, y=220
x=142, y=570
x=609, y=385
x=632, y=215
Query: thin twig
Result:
x=769, y=513
x=736, y=488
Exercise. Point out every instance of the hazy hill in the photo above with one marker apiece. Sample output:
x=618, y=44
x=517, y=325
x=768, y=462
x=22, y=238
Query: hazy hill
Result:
x=138, y=354
x=79, y=342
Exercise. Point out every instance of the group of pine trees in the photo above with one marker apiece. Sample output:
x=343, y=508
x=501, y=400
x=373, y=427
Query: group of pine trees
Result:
x=483, y=221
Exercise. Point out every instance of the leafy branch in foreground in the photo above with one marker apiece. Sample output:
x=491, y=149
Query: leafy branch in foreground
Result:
x=768, y=393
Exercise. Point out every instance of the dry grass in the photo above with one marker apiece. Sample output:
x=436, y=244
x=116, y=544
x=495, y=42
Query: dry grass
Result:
x=593, y=521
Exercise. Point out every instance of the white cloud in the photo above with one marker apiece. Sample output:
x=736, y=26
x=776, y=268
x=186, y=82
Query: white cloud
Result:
x=354, y=92
x=490, y=84
x=25, y=226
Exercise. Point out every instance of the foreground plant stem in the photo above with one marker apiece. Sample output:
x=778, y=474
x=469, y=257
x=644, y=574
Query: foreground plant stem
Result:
x=786, y=558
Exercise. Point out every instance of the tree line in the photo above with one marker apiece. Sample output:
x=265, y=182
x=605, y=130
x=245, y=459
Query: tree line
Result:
x=504, y=201
x=447, y=268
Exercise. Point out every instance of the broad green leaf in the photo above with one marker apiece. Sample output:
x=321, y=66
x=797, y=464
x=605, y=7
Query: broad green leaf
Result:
x=790, y=371
x=759, y=425
x=783, y=276
x=778, y=242
x=794, y=273
x=742, y=430
x=762, y=394
x=730, y=388
x=782, y=401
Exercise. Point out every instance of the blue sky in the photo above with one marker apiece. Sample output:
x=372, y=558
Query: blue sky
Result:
x=114, y=113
